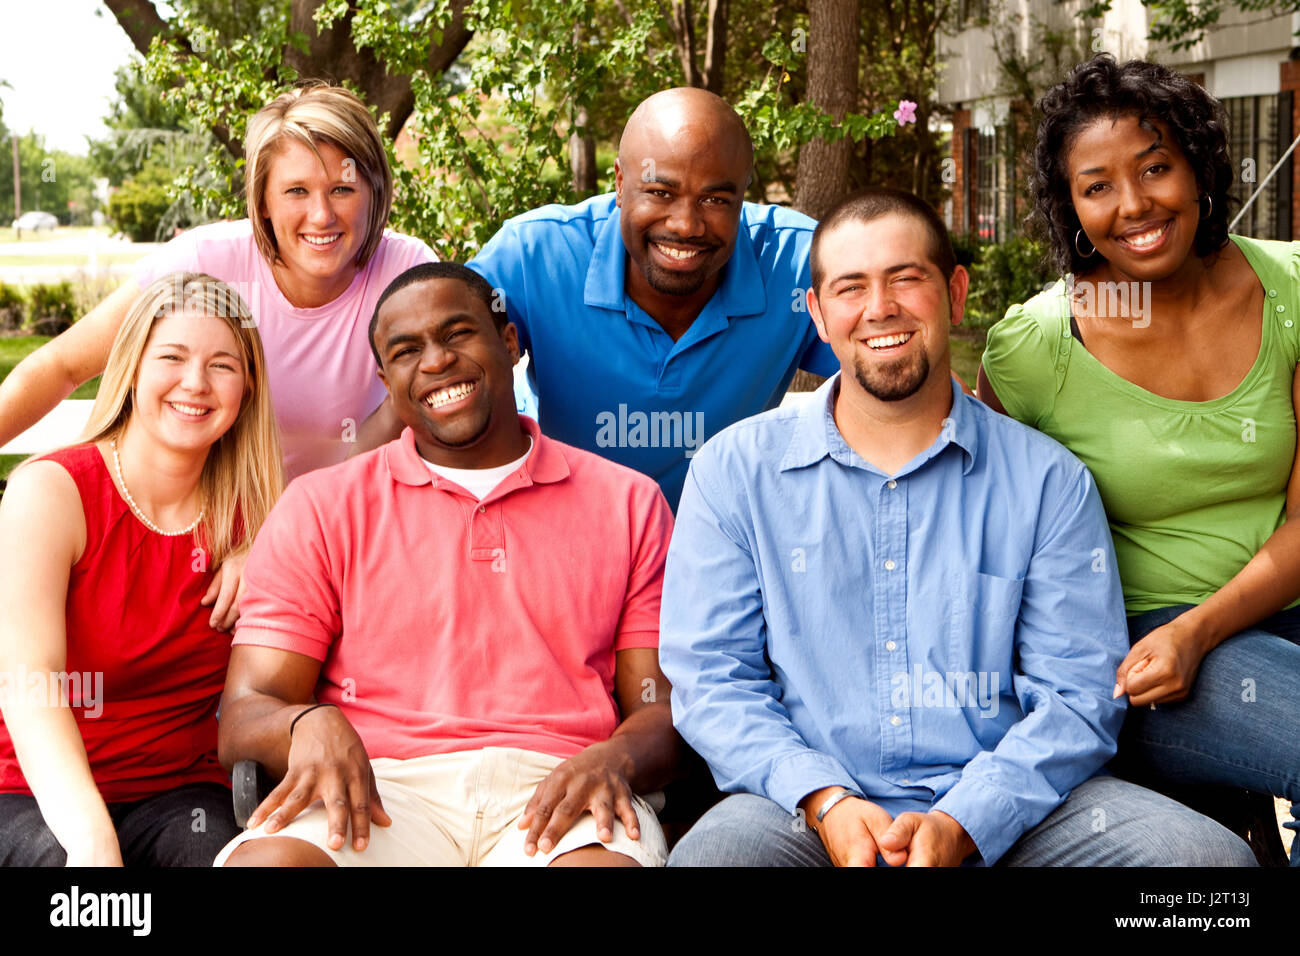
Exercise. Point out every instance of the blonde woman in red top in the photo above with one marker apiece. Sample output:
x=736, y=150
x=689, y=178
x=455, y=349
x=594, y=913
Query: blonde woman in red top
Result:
x=111, y=664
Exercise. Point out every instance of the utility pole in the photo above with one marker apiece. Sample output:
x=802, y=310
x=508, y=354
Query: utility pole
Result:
x=18, y=189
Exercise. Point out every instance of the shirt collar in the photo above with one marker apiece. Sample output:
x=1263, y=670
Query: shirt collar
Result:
x=742, y=291
x=816, y=435
x=545, y=464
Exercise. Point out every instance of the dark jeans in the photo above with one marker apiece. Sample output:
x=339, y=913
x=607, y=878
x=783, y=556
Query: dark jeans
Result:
x=1240, y=725
x=187, y=826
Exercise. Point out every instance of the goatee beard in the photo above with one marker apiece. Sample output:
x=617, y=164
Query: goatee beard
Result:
x=894, y=382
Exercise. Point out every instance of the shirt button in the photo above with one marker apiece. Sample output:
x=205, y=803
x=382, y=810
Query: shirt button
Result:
x=482, y=509
x=905, y=780
x=1272, y=293
x=1281, y=308
x=890, y=645
x=1287, y=323
x=895, y=720
x=890, y=565
x=892, y=484
x=1065, y=333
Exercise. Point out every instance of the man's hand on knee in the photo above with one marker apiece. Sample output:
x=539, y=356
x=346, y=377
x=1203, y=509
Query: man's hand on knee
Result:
x=327, y=762
x=594, y=780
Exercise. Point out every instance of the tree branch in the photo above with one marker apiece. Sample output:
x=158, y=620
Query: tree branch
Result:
x=141, y=22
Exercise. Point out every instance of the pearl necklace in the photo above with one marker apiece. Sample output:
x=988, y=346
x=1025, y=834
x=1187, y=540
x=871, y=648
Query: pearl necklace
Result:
x=135, y=509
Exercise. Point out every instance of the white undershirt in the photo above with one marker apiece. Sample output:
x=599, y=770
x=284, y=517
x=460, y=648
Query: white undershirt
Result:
x=479, y=482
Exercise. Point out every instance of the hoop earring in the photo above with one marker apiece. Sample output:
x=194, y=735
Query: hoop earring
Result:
x=1210, y=199
x=1082, y=254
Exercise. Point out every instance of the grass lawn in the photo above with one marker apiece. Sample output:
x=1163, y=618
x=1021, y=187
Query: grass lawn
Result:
x=7, y=234
x=13, y=351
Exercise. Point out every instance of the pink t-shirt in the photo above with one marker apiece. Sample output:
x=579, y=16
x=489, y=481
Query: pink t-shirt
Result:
x=447, y=624
x=323, y=377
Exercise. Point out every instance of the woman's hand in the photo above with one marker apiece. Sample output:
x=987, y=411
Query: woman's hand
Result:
x=1161, y=667
x=226, y=591
x=95, y=850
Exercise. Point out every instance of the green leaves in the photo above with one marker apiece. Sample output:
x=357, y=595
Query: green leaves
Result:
x=489, y=137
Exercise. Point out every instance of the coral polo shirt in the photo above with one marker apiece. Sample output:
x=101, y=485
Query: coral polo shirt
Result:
x=445, y=623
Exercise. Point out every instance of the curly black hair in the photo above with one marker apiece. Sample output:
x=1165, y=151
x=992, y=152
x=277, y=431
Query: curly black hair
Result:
x=1101, y=87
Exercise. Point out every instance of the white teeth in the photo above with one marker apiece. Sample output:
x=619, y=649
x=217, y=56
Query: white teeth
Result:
x=1145, y=239
x=189, y=409
x=678, y=253
x=321, y=240
x=884, y=341
x=445, y=396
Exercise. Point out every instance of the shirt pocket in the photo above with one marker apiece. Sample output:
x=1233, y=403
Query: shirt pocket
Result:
x=982, y=635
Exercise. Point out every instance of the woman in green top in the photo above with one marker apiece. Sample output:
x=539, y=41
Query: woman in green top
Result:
x=1166, y=361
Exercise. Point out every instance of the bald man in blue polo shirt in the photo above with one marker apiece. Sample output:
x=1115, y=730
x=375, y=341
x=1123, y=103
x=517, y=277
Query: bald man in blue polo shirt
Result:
x=655, y=316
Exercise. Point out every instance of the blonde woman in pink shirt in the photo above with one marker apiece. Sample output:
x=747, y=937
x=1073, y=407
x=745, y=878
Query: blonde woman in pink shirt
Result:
x=311, y=260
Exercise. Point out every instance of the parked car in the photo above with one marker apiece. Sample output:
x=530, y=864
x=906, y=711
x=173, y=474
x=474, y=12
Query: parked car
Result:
x=35, y=222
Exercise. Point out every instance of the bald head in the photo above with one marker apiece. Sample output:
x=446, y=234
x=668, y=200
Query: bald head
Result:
x=686, y=118
x=684, y=163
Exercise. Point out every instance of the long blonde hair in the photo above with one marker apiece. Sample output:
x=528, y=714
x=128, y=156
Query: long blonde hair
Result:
x=312, y=113
x=243, y=474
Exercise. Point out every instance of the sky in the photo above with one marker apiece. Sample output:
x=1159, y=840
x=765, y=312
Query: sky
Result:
x=59, y=59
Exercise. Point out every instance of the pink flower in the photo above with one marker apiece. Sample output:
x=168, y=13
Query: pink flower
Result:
x=906, y=112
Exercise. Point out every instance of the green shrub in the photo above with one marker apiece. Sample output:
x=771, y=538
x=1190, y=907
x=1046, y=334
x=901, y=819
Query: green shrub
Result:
x=54, y=308
x=139, y=204
x=1004, y=274
x=13, y=308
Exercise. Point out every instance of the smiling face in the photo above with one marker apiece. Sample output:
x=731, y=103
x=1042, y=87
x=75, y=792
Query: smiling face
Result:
x=191, y=381
x=1136, y=196
x=884, y=306
x=319, y=216
x=449, y=373
x=680, y=184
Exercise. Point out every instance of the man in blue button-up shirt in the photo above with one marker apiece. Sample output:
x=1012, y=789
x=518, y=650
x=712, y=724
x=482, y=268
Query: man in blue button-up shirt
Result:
x=655, y=316
x=894, y=613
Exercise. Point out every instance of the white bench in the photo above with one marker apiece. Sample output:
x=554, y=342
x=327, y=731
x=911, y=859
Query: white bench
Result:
x=60, y=427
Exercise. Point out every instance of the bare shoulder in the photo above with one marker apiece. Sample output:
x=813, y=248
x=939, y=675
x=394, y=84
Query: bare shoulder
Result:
x=41, y=504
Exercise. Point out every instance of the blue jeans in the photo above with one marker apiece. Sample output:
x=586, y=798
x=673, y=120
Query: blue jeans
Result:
x=1239, y=727
x=1103, y=822
x=186, y=826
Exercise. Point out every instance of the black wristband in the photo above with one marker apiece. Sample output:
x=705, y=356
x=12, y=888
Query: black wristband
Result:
x=302, y=714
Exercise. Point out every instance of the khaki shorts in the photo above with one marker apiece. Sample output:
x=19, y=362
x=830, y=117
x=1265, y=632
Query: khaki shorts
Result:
x=462, y=809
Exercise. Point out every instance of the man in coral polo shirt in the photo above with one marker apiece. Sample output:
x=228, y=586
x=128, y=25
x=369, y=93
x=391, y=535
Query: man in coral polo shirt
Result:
x=448, y=645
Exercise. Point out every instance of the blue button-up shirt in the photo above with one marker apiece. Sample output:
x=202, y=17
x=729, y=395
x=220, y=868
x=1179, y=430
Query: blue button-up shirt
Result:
x=608, y=378
x=943, y=638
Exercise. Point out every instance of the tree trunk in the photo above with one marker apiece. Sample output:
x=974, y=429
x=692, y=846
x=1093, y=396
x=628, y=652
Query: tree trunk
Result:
x=682, y=22
x=582, y=155
x=715, y=48
x=330, y=55
x=823, y=174
x=684, y=33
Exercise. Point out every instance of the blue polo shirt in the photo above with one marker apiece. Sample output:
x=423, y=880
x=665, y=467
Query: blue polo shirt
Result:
x=608, y=378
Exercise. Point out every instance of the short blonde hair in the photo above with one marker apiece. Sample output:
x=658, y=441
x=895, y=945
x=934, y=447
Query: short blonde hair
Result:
x=312, y=113
x=243, y=474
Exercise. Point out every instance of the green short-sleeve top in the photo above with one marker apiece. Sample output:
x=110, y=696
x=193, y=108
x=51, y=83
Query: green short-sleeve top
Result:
x=1192, y=489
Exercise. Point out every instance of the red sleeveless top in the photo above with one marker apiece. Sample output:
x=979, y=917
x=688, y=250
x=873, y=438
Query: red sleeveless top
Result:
x=144, y=669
